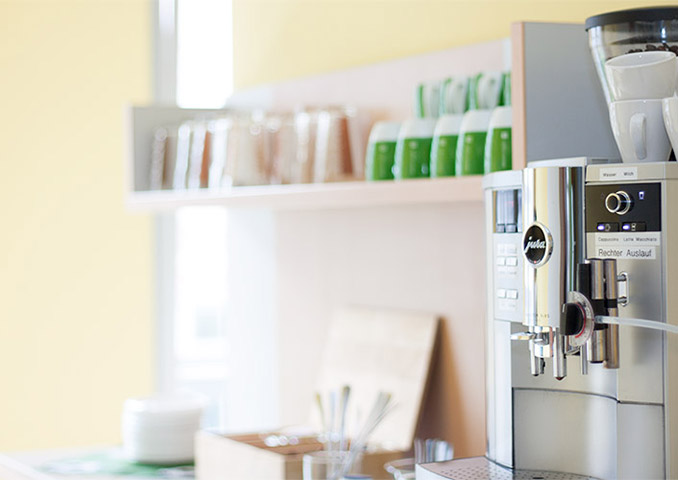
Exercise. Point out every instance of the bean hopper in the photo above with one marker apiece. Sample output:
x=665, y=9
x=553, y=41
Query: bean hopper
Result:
x=628, y=31
x=582, y=311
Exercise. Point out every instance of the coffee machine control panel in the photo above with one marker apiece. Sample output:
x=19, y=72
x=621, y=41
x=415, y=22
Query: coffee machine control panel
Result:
x=623, y=208
x=507, y=257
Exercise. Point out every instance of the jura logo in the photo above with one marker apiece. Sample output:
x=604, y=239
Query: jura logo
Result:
x=536, y=244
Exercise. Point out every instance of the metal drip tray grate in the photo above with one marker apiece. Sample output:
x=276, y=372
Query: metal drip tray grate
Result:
x=479, y=468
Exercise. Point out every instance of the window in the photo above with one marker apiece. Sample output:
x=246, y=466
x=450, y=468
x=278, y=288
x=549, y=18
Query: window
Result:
x=204, y=55
x=199, y=304
x=194, y=69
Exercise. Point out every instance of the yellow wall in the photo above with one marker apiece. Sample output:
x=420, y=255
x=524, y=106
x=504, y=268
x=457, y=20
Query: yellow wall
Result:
x=75, y=267
x=75, y=274
x=281, y=39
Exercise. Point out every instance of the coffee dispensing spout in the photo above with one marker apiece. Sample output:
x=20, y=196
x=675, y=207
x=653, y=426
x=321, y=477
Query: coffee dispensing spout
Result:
x=553, y=244
x=588, y=322
x=596, y=296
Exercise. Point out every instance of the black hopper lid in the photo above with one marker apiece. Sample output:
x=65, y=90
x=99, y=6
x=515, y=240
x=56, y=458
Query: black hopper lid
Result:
x=649, y=14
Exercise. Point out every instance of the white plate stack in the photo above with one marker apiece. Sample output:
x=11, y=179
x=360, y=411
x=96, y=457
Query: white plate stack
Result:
x=160, y=429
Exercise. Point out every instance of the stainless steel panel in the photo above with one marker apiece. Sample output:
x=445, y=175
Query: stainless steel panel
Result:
x=640, y=436
x=564, y=432
x=490, y=357
x=641, y=351
x=502, y=411
x=589, y=434
x=670, y=254
x=504, y=273
x=653, y=285
x=553, y=198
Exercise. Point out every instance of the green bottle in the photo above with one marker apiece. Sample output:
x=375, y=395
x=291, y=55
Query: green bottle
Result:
x=471, y=144
x=444, y=147
x=498, y=147
x=413, y=149
x=381, y=148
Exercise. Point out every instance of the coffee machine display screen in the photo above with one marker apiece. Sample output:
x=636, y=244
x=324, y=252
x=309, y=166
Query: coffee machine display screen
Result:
x=508, y=217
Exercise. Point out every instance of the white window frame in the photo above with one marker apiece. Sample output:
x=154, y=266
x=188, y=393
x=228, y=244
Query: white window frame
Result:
x=166, y=90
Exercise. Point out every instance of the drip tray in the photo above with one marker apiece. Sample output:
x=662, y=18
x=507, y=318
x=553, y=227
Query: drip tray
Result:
x=480, y=468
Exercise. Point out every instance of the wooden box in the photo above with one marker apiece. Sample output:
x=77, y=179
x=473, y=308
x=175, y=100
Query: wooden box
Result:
x=246, y=457
x=371, y=350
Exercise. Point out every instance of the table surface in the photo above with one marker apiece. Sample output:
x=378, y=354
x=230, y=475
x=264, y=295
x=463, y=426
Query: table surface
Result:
x=26, y=465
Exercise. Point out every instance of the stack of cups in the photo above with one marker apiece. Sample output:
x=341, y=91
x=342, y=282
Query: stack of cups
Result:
x=644, y=107
x=160, y=429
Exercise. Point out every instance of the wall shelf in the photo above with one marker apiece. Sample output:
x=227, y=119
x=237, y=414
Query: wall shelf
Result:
x=384, y=91
x=316, y=196
x=358, y=243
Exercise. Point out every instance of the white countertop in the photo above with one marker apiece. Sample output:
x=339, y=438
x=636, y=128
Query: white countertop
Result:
x=30, y=465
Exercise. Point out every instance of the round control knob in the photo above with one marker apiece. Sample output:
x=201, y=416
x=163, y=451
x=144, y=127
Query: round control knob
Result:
x=619, y=202
x=576, y=319
x=572, y=319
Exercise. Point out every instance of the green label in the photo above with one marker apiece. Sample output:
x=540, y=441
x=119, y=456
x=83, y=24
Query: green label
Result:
x=379, y=161
x=498, y=150
x=412, y=158
x=443, y=155
x=471, y=153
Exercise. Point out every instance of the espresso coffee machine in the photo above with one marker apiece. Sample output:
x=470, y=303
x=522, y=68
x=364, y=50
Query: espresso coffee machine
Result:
x=582, y=300
x=582, y=367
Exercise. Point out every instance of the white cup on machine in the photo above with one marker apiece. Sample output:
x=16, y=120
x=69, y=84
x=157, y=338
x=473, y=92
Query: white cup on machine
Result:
x=642, y=75
x=638, y=82
x=670, y=113
x=638, y=127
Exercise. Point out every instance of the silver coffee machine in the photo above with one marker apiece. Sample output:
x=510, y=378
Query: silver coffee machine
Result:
x=582, y=362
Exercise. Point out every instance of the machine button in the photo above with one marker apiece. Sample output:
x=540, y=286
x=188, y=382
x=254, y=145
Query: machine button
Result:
x=501, y=293
x=512, y=294
x=619, y=202
x=511, y=249
x=612, y=202
x=634, y=227
x=607, y=227
x=626, y=201
x=501, y=260
x=511, y=261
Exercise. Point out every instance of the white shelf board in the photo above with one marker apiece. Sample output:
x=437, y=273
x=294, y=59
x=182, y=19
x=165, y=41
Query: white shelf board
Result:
x=316, y=196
